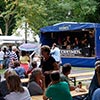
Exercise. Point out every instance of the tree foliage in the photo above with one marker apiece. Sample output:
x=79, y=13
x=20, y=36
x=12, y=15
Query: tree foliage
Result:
x=7, y=15
x=47, y=12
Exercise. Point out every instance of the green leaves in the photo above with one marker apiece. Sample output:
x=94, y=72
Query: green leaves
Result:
x=47, y=12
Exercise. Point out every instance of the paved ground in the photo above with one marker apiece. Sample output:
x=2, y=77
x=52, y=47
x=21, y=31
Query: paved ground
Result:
x=82, y=70
x=74, y=70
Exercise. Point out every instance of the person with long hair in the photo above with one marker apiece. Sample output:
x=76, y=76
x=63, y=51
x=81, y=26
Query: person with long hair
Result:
x=3, y=84
x=17, y=91
x=24, y=60
x=36, y=84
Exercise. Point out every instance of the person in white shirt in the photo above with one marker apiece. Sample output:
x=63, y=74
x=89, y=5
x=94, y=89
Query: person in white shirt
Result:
x=1, y=58
x=55, y=53
x=17, y=91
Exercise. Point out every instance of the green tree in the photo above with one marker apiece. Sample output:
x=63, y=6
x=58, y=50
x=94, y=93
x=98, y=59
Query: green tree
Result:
x=83, y=8
x=95, y=17
x=47, y=12
x=7, y=15
x=31, y=12
x=2, y=8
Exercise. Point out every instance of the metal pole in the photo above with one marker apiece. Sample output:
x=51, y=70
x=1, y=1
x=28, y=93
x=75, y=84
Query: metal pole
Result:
x=25, y=32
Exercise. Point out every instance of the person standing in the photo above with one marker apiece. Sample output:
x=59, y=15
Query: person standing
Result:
x=48, y=63
x=92, y=44
x=12, y=56
x=24, y=60
x=55, y=53
x=1, y=58
x=6, y=58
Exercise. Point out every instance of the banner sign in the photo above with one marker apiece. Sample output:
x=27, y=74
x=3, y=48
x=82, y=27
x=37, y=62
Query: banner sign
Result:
x=66, y=53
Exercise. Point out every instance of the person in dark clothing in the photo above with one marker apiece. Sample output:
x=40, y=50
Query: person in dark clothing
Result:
x=95, y=83
x=92, y=45
x=48, y=63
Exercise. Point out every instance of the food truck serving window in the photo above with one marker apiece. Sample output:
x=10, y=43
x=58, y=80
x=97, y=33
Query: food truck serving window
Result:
x=84, y=38
x=73, y=43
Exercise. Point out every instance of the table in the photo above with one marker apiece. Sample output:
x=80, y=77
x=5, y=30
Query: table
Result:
x=73, y=93
x=39, y=97
x=25, y=80
x=74, y=76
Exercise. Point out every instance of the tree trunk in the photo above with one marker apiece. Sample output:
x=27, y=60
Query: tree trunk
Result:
x=6, y=28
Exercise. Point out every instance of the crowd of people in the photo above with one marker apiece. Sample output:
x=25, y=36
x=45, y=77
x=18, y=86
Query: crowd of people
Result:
x=86, y=41
x=45, y=79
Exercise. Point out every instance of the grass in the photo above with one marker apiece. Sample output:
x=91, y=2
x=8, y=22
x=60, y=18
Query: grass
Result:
x=2, y=71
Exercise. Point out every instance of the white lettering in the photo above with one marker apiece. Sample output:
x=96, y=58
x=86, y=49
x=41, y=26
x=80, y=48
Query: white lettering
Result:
x=70, y=52
x=64, y=28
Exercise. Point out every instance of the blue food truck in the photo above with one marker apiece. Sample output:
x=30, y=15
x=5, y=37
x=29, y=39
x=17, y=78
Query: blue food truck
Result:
x=79, y=43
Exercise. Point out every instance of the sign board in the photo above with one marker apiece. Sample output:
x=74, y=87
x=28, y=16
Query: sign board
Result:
x=70, y=53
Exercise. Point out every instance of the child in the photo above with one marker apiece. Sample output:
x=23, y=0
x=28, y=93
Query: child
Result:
x=79, y=87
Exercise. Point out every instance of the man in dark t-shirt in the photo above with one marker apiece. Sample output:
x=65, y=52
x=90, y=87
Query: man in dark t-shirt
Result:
x=48, y=63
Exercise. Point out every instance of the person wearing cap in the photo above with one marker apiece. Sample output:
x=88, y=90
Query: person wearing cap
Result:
x=95, y=82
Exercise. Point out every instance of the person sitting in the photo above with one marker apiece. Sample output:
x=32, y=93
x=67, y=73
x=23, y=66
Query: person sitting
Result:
x=66, y=69
x=57, y=90
x=32, y=66
x=3, y=85
x=67, y=42
x=36, y=82
x=76, y=44
x=17, y=91
x=19, y=70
